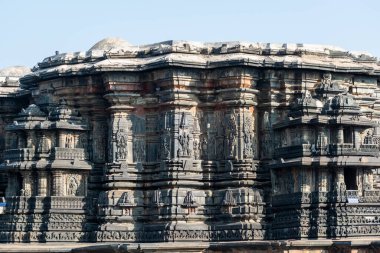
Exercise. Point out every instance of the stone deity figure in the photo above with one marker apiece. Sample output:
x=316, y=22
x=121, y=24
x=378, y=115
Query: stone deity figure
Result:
x=121, y=146
x=72, y=187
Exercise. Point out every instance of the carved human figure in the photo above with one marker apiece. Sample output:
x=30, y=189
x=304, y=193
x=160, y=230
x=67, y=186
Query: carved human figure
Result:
x=184, y=141
x=121, y=145
x=196, y=148
x=231, y=131
x=204, y=145
x=321, y=140
x=189, y=199
x=248, y=136
x=72, y=186
x=165, y=146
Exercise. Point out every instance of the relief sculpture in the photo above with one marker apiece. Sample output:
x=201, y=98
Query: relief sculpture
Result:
x=121, y=145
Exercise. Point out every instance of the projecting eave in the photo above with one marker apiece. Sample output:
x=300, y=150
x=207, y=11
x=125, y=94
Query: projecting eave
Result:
x=168, y=55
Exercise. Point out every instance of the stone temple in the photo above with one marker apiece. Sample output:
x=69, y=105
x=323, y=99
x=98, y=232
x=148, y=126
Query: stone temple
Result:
x=201, y=147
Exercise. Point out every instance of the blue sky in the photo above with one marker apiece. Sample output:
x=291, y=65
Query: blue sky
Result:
x=33, y=30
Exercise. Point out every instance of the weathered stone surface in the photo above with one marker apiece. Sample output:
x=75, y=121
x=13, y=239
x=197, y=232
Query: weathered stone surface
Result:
x=180, y=141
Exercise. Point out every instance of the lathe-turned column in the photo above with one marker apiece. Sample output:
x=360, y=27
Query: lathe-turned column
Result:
x=61, y=139
x=42, y=183
x=31, y=139
x=357, y=139
x=57, y=184
x=340, y=135
x=27, y=183
x=339, y=180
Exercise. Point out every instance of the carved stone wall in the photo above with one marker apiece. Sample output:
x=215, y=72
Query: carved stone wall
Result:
x=192, y=142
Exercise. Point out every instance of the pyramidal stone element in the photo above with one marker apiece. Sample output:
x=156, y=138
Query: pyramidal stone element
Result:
x=225, y=146
x=229, y=199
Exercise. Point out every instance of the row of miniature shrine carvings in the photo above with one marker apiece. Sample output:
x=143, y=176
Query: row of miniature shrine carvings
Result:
x=180, y=135
x=126, y=201
x=44, y=141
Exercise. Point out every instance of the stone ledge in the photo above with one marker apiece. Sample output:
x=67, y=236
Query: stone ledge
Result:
x=275, y=246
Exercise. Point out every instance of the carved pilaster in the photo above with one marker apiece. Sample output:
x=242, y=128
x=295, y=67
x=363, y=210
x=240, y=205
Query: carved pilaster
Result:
x=99, y=140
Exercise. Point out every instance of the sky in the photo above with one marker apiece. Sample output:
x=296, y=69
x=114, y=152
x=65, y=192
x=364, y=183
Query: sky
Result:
x=34, y=29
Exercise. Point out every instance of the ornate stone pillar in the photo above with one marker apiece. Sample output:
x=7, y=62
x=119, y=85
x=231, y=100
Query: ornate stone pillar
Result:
x=31, y=139
x=57, y=187
x=76, y=139
x=61, y=139
x=27, y=183
x=340, y=135
x=357, y=141
x=42, y=183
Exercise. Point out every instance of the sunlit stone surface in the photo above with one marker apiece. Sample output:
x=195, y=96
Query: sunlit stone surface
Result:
x=217, y=146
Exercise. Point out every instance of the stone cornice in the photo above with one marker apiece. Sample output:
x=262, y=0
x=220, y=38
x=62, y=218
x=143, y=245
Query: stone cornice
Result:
x=205, y=56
